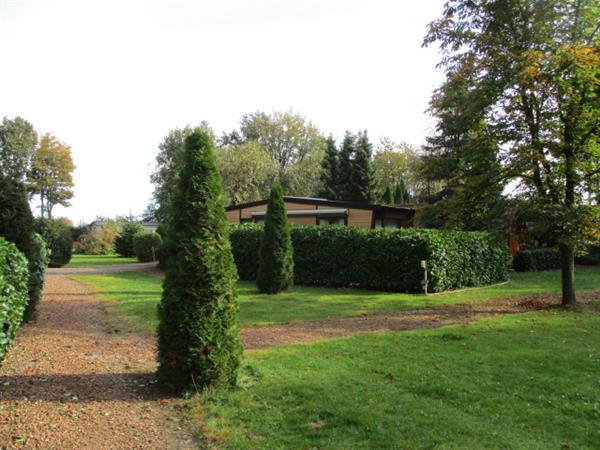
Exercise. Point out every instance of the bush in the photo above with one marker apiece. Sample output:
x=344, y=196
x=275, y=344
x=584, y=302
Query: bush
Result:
x=146, y=246
x=276, y=261
x=37, y=269
x=198, y=332
x=57, y=234
x=124, y=240
x=536, y=260
x=13, y=292
x=16, y=220
x=97, y=240
x=163, y=251
x=382, y=259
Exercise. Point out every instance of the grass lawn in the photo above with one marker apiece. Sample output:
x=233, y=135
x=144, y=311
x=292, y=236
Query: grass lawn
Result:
x=98, y=260
x=136, y=295
x=528, y=381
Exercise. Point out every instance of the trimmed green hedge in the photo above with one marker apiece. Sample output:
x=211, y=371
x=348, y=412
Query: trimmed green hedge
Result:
x=382, y=259
x=37, y=270
x=57, y=235
x=536, y=260
x=146, y=246
x=14, y=294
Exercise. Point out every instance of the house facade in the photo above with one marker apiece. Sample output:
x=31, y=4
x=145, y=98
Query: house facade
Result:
x=318, y=211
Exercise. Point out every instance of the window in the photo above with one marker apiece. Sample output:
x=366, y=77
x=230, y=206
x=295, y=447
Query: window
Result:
x=331, y=221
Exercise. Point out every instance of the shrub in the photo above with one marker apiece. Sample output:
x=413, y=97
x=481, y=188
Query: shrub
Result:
x=198, y=332
x=276, y=263
x=536, y=260
x=57, y=234
x=124, y=240
x=163, y=251
x=382, y=259
x=16, y=220
x=38, y=262
x=13, y=292
x=146, y=246
x=97, y=240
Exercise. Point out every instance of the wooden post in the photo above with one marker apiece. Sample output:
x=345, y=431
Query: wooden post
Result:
x=424, y=281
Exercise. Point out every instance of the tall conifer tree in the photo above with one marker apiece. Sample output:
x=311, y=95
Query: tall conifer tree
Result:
x=276, y=269
x=198, y=333
x=330, y=172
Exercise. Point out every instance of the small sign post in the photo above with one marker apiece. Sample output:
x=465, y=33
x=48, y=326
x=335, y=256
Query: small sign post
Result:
x=424, y=280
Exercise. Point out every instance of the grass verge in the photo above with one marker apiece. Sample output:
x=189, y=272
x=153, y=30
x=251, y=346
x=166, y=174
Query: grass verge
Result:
x=523, y=381
x=98, y=260
x=136, y=295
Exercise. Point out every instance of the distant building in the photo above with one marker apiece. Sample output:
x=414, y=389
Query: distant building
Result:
x=318, y=211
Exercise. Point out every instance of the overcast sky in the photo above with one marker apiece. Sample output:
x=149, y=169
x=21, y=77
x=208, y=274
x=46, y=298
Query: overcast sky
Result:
x=111, y=78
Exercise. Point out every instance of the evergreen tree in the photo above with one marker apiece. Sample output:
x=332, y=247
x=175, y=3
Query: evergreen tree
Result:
x=198, y=332
x=402, y=196
x=346, y=161
x=355, y=174
x=388, y=195
x=362, y=174
x=124, y=240
x=329, y=172
x=276, y=265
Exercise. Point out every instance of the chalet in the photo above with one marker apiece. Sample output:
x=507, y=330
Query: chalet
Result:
x=319, y=211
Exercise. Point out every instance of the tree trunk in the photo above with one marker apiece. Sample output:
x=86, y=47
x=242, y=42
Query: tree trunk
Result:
x=567, y=254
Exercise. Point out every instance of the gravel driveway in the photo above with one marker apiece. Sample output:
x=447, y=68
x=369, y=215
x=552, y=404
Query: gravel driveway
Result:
x=112, y=268
x=66, y=383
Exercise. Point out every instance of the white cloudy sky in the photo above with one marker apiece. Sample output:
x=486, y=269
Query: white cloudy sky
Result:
x=111, y=78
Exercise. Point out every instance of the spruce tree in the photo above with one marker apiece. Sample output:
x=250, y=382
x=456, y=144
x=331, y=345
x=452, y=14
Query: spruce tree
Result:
x=346, y=157
x=402, y=195
x=276, y=264
x=362, y=174
x=329, y=172
x=388, y=195
x=198, y=332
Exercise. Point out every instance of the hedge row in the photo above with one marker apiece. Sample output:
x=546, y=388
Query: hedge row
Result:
x=381, y=259
x=14, y=278
x=536, y=260
x=146, y=246
x=38, y=261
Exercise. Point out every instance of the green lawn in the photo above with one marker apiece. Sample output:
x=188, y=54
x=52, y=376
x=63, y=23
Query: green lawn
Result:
x=136, y=295
x=528, y=381
x=98, y=260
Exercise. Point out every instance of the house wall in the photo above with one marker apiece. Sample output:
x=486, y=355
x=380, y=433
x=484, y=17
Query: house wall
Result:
x=356, y=217
x=360, y=218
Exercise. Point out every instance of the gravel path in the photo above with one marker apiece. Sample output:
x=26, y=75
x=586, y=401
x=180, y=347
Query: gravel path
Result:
x=68, y=384
x=304, y=332
x=109, y=268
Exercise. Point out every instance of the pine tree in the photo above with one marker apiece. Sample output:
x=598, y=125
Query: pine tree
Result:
x=276, y=265
x=330, y=172
x=198, y=332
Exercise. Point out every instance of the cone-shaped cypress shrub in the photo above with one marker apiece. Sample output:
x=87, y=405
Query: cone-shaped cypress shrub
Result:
x=276, y=261
x=198, y=332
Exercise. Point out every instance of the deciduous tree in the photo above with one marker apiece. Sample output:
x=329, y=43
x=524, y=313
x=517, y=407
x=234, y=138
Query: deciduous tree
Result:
x=18, y=140
x=529, y=69
x=51, y=174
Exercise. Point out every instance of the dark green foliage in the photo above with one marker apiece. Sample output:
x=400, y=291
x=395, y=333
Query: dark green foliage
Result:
x=382, y=259
x=38, y=261
x=355, y=174
x=276, y=262
x=198, y=332
x=124, y=240
x=14, y=292
x=163, y=251
x=330, y=177
x=146, y=246
x=401, y=194
x=536, y=260
x=16, y=220
x=388, y=195
x=57, y=235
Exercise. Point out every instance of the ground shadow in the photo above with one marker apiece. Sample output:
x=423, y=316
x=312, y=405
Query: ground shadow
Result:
x=83, y=388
